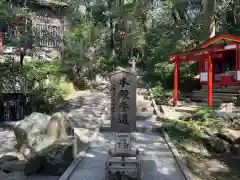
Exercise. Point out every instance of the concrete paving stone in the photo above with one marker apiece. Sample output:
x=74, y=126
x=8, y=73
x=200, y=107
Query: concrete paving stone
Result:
x=42, y=177
x=158, y=162
x=157, y=158
x=90, y=174
x=7, y=140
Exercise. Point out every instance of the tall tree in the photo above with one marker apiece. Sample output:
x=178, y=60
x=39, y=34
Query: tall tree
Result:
x=209, y=22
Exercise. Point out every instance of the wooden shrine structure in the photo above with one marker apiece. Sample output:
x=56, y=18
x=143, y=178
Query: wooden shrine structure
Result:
x=219, y=63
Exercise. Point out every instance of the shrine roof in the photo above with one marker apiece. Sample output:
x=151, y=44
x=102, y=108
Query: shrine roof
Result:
x=214, y=44
x=198, y=51
x=219, y=38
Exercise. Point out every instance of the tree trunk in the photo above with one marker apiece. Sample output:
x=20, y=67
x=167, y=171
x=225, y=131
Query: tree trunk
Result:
x=112, y=45
x=237, y=11
x=208, y=19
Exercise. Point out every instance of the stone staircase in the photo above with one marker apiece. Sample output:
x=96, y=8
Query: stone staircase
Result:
x=221, y=94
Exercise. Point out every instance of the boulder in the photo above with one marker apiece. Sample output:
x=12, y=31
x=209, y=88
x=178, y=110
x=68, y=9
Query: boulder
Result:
x=231, y=117
x=13, y=166
x=215, y=144
x=235, y=149
x=48, y=143
x=38, y=131
x=35, y=161
x=14, y=176
x=28, y=129
x=60, y=155
x=237, y=141
x=229, y=135
x=55, y=158
x=195, y=116
x=60, y=126
x=7, y=158
x=34, y=164
x=11, y=156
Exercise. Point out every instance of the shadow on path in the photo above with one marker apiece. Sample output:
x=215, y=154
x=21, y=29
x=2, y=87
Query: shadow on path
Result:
x=157, y=161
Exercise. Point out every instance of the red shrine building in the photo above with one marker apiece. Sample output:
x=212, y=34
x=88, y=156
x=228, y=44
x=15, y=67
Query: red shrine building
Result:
x=219, y=63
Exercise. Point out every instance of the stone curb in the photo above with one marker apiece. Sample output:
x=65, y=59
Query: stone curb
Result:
x=138, y=130
x=173, y=149
x=82, y=154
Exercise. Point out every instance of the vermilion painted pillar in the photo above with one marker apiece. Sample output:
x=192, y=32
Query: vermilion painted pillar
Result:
x=237, y=63
x=210, y=79
x=175, y=90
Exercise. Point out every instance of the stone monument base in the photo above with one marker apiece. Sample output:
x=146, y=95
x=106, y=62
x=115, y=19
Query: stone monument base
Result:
x=123, y=167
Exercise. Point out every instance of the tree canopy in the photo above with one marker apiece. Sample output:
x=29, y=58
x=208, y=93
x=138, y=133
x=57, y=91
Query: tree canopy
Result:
x=102, y=35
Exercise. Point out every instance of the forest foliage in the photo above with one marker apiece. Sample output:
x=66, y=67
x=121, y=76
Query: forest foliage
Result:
x=102, y=35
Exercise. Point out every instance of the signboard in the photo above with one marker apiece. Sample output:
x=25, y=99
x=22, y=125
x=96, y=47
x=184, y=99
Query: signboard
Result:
x=122, y=143
x=123, y=101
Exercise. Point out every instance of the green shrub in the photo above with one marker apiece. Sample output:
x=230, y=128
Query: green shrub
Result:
x=44, y=84
x=46, y=99
x=160, y=92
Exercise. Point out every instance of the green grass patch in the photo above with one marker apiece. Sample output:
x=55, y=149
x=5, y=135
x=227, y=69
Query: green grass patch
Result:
x=205, y=110
x=192, y=129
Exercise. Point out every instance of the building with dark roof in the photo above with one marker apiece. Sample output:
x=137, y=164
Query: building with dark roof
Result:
x=40, y=34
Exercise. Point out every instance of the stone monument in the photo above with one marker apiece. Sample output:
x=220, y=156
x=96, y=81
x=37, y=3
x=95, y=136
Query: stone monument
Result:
x=123, y=122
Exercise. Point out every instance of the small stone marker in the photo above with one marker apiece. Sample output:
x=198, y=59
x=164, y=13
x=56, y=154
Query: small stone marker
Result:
x=123, y=101
x=133, y=62
x=123, y=143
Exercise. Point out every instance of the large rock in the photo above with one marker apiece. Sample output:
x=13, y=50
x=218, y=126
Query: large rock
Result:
x=12, y=162
x=28, y=129
x=232, y=118
x=13, y=166
x=14, y=176
x=55, y=158
x=60, y=126
x=195, y=116
x=237, y=141
x=229, y=135
x=235, y=149
x=34, y=164
x=7, y=158
x=11, y=156
x=38, y=131
x=48, y=143
x=215, y=144
x=60, y=155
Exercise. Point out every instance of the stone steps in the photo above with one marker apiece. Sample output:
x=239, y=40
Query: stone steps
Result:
x=215, y=102
x=223, y=98
x=185, y=109
x=222, y=87
x=219, y=90
x=215, y=94
x=220, y=94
